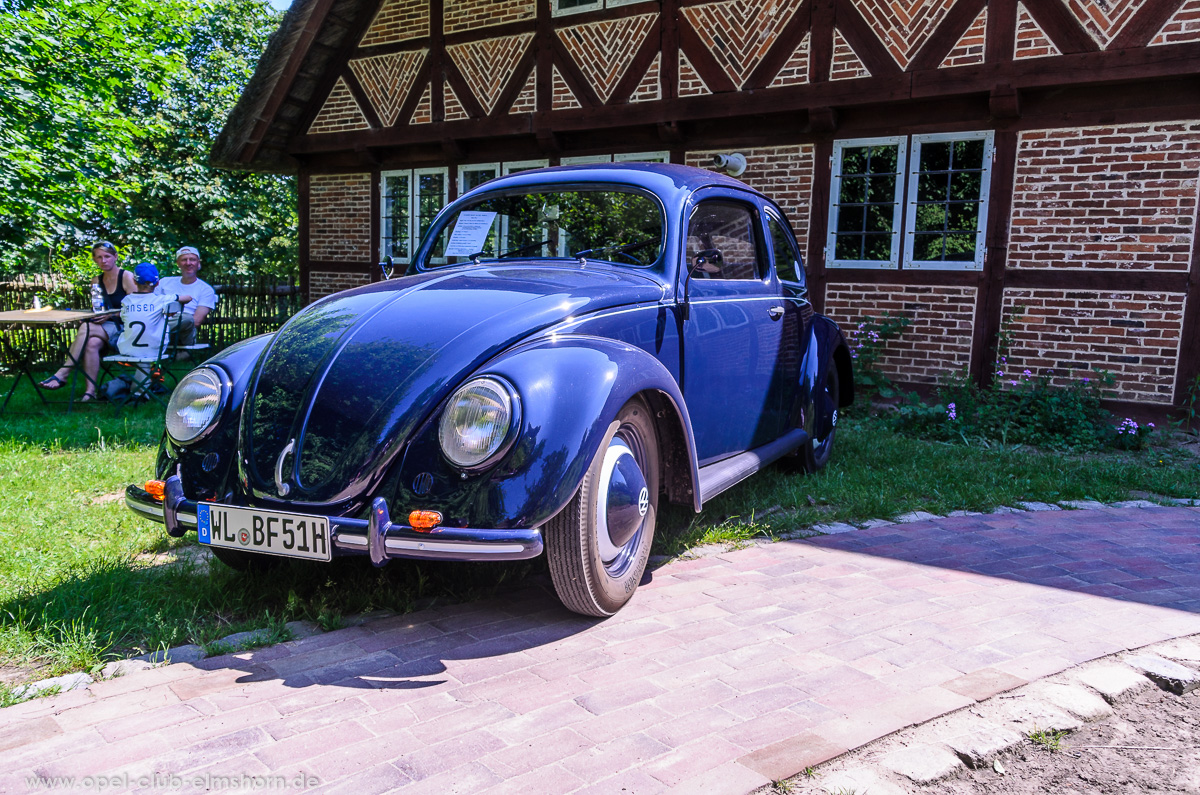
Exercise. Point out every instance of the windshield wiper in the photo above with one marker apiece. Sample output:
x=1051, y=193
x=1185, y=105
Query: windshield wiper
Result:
x=514, y=251
x=624, y=248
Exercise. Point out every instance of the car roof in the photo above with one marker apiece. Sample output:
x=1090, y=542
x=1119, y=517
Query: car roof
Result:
x=660, y=178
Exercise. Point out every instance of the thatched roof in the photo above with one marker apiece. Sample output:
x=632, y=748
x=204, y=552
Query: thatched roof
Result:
x=268, y=113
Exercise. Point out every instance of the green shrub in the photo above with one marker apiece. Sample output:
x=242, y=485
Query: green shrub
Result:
x=867, y=341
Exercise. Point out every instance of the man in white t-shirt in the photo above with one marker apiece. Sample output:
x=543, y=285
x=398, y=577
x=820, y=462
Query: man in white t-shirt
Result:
x=204, y=297
x=144, y=319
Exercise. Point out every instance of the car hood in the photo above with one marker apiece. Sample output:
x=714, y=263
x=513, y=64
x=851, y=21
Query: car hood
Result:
x=347, y=380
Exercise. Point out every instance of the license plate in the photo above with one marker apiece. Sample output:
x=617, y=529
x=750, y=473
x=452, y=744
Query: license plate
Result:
x=291, y=535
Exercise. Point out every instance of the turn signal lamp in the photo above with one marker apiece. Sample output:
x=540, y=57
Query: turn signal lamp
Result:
x=424, y=521
x=156, y=489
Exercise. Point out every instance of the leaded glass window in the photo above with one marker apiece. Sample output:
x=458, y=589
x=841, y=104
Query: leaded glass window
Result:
x=947, y=200
x=868, y=178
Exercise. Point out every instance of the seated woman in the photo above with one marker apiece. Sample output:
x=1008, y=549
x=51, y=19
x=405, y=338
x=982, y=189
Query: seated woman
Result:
x=115, y=283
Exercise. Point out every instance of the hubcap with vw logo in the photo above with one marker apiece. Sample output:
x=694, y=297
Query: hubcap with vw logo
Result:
x=623, y=500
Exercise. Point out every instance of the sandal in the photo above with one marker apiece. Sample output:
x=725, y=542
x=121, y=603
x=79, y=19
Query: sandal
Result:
x=53, y=382
x=87, y=397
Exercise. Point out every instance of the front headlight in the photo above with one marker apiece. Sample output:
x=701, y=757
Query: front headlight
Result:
x=476, y=422
x=195, y=405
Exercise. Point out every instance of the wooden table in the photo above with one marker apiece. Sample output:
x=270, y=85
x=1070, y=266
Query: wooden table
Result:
x=17, y=351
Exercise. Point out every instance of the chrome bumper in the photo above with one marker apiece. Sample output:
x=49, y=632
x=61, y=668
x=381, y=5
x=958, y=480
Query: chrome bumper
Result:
x=377, y=537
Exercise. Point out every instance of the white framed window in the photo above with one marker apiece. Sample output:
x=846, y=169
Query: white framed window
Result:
x=946, y=214
x=409, y=201
x=474, y=175
x=523, y=165
x=944, y=179
x=864, y=203
x=643, y=157
x=584, y=160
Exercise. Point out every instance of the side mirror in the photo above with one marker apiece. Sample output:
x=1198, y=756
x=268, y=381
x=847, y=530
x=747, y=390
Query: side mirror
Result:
x=708, y=261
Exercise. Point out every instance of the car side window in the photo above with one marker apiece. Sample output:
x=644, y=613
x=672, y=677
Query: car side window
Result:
x=722, y=235
x=789, y=264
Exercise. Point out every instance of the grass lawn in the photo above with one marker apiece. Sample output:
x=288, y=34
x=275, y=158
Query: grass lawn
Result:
x=82, y=580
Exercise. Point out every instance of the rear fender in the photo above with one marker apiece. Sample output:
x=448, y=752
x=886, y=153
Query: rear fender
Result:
x=826, y=348
x=570, y=388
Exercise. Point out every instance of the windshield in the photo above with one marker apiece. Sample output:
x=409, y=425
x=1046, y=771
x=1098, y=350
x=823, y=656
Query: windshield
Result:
x=608, y=224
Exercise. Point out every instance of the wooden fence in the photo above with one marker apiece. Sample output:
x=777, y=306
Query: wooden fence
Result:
x=247, y=306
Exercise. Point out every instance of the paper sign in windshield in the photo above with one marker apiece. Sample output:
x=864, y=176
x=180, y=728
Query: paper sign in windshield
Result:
x=469, y=233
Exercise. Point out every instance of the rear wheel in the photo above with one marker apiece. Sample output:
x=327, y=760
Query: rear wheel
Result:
x=598, y=545
x=816, y=452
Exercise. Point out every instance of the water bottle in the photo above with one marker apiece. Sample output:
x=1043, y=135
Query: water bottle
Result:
x=97, y=299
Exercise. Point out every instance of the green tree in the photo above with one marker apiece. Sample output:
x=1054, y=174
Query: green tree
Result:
x=107, y=112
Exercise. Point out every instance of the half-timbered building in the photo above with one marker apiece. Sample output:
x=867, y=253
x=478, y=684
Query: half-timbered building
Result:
x=978, y=165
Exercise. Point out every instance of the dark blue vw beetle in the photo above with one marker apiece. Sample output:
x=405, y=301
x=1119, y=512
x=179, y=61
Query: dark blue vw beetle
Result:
x=568, y=347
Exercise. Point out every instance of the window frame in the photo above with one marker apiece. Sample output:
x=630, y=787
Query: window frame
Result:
x=412, y=204
x=464, y=168
x=835, y=191
x=773, y=215
x=763, y=255
x=910, y=216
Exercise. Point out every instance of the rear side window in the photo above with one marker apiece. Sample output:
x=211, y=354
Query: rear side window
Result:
x=788, y=262
x=723, y=234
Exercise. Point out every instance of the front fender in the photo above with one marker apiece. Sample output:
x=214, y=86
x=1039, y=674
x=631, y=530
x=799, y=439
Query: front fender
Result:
x=571, y=387
x=827, y=348
x=235, y=362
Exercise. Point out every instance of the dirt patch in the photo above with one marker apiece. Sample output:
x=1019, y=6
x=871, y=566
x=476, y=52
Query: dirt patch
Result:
x=1158, y=739
x=107, y=498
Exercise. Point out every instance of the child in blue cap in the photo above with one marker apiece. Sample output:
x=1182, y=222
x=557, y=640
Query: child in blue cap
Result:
x=144, y=318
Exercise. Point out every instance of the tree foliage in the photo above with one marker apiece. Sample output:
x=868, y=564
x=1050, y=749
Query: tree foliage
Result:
x=108, y=109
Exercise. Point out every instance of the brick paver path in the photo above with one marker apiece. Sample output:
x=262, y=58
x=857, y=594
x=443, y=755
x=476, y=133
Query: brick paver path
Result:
x=722, y=674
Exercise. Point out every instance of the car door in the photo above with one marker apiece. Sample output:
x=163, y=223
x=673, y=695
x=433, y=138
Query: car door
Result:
x=732, y=337
x=797, y=319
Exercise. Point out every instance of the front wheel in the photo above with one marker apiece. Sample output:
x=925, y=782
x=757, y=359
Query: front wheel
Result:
x=598, y=545
x=816, y=452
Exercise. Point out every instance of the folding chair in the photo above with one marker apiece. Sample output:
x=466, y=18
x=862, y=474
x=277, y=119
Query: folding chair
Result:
x=145, y=373
x=175, y=348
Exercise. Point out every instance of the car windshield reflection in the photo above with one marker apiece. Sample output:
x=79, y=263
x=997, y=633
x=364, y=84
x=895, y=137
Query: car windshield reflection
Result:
x=617, y=226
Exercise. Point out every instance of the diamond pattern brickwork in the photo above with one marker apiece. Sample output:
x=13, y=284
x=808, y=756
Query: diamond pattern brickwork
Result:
x=904, y=25
x=650, y=88
x=463, y=15
x=604, y=50
x=488, y=65
x=423, y=112
x=845, y=65
x=340, y=113
x=1031, y=40
x=1103, y=19
x=969, y=48
x=740, y=32
x=563, y=98
x=526, y=101
x=398, y=20
x=386, y=79
x=691, y=84
x=1182, y=27
x=795, y=71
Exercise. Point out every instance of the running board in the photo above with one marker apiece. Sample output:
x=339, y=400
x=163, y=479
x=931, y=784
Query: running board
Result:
x=723, y=474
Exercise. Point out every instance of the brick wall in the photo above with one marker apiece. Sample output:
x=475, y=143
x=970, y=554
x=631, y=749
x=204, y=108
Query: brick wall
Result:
x=604, y=50
x=691, y=84
x=339, y=218
x=340, y=113
x=1106, y=197
x=845, y=64
x=795, y=71
x=785, y=173
x=1031, y=41
x=969, y=49
x=1183, y=26
x=937, y=343
x=1075, y=333
x=460, y=15
x=398, y=20
x=323, y=283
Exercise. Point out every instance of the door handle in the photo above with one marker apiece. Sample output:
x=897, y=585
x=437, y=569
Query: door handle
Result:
x=775, y=312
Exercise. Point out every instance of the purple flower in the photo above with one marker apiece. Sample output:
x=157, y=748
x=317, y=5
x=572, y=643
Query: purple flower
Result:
x=951, y=413
x=1027, y=373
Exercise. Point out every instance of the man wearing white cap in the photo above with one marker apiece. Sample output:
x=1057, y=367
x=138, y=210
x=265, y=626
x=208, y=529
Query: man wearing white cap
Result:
x=204, y=297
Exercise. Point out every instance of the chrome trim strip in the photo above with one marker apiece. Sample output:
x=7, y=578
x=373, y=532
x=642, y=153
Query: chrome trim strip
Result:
x=453, y=546
x=353, y=540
